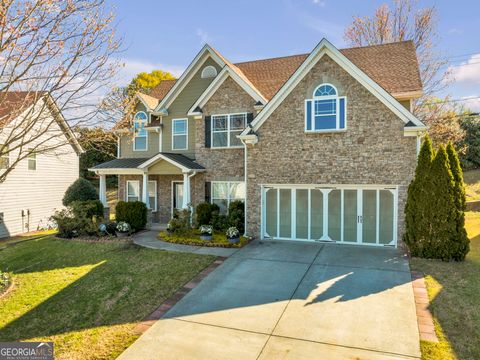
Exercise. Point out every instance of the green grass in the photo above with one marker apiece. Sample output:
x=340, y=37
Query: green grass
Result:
x=4, y=242
x=87, y=297
x=472, y=184
x=454, y=291
x=192, y=237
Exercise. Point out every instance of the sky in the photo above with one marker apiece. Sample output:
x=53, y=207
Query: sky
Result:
x=166, y=35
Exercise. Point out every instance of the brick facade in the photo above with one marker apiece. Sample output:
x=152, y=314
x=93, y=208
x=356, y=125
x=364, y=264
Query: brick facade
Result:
x=372, y=150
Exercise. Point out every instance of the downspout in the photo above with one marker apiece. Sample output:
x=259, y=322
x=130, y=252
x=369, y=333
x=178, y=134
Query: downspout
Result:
x=190, y=195
x=246, y=187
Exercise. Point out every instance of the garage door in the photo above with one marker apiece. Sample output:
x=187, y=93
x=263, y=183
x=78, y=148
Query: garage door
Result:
x=353, y=214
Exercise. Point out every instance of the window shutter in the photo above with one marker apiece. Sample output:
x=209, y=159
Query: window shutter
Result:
x=249, y=118
x=308, y=114
x=342, y=113
x=208, y=187
x=208, y=131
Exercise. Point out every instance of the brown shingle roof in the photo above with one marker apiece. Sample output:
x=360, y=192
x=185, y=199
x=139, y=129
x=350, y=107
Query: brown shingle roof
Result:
x=162, y=89
x=393, y=66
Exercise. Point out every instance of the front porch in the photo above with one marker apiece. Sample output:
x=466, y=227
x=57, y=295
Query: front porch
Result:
x=164, y=182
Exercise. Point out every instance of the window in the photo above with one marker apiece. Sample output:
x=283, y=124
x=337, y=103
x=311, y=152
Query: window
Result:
x=32, y=160
x=4, y=158
x=326, y=111
x=209, y=72
x=224, y=192
x=140, y=133
x=133, y=190
x=179, y=134
x=152, y=195
x=225, y=129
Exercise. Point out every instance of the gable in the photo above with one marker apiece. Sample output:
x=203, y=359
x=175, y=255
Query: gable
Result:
x=229, y=98
x=195, y=87
x=326, y=48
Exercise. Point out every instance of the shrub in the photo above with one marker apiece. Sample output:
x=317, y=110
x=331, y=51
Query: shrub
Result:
x=236, y=215
x=4, y=281
x=203, y=213
x=87, y=208
x=70, y=226
x=219, y=221
x=80, y=190
x=180, y=222
x=435, y=206
x=134, y=213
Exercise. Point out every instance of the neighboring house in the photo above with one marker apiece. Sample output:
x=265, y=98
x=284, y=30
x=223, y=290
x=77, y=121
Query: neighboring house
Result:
x=321, y=146
x=35, y=187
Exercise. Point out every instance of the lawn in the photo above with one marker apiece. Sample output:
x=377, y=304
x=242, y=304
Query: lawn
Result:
x=87, y=297
x=472, y=184
x=454, y=291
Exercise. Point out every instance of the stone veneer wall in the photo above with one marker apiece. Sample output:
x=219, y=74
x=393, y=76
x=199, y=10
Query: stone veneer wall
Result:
x=223, y=164
x=373, y=149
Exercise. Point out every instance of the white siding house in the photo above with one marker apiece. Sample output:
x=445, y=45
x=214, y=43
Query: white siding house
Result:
x=34, y=189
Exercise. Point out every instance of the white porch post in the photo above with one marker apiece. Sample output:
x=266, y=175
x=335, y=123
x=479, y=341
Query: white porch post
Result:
x=102, y=193
x=145, y=189
x=186, y=190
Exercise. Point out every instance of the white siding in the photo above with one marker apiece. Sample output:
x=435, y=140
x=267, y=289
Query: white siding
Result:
x=39, y=191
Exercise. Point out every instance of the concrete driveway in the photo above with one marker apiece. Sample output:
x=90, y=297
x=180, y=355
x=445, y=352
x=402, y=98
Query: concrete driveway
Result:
x=293, y=300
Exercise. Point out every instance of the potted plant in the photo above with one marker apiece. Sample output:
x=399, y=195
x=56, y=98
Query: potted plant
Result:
x=233, y=235
x=206, y=232
x=123, y=229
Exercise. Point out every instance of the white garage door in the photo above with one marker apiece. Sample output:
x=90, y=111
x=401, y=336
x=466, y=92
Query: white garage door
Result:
x=351, y=214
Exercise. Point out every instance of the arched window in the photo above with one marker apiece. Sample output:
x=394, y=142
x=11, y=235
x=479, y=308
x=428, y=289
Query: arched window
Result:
x=209, y=72
x=140, y=133
x=326, y=111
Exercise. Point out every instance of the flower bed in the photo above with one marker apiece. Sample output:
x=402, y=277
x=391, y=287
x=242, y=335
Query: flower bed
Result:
x=192, y=237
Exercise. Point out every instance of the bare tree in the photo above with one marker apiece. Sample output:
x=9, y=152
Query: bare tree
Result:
x=404, y=22
x=56, y=57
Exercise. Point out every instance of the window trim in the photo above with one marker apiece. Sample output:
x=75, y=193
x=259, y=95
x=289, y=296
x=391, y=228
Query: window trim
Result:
x=30, y=159
x=174, y=182
x=208, y=67
x=186, y=133
x=228, y=131
x=7, y=157
x=126, y=189
x=229, y=199
x=155, y=208
x=146, y=132
x=337, y=112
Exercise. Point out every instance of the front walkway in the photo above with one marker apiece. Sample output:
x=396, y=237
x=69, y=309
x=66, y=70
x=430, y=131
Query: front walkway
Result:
x=288, y=300
x=149, y=239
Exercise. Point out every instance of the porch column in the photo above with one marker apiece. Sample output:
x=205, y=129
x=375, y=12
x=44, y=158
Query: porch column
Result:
x=102, y=193
x=186, y=190
x=145, y=189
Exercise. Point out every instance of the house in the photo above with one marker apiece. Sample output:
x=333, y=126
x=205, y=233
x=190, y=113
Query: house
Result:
x=44, y=160
x=320, y=146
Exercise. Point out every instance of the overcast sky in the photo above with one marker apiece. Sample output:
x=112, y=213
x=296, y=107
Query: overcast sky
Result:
x=166, y=35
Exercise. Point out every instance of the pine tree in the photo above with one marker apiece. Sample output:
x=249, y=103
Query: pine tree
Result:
x=418, y=209
x=444, y=211
x=461, y=241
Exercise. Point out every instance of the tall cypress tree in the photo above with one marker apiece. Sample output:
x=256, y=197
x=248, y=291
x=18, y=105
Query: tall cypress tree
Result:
x=444, y=211
x=418, y=208
x=461, y=241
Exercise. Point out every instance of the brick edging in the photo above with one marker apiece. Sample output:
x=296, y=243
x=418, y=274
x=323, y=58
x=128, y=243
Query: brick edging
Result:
x=426, y=327
x=171, y=301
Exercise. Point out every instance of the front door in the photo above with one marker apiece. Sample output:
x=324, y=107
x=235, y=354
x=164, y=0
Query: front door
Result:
x=177, y=196
x=362, y=215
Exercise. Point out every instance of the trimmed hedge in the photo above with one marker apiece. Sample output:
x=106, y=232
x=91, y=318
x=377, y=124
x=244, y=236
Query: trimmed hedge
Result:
x=203, y=213
x=134, y=213
x=88, y=208
x=80, y=190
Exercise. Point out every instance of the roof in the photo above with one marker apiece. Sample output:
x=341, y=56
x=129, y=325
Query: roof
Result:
x=136, y=163
x=149, y=101
x=393, y=66
x=128, y=163
x=159, y=91
x=13, y=103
